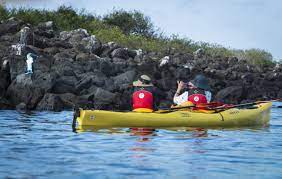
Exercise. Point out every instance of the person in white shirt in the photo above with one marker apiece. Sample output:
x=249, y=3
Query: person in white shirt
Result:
x=198, y=91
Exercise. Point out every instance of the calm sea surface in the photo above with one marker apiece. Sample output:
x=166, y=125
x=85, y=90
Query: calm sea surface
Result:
x=42, y=145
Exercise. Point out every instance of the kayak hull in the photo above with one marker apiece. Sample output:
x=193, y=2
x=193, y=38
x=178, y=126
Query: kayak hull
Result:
x=235, y=117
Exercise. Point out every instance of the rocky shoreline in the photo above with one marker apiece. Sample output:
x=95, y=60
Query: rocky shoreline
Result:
x=75, y=68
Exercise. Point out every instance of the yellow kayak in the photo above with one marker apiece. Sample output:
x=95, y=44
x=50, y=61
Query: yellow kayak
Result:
x=257, y=115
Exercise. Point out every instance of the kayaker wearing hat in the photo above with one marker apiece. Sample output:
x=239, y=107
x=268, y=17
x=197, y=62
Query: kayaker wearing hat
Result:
x=143, y=95
x=198, y=91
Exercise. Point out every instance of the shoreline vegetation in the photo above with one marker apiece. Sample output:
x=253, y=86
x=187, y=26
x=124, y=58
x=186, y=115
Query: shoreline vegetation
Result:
x=131, y=29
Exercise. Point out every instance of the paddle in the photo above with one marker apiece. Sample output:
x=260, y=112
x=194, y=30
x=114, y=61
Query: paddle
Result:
x=167, y=110
x=198, y=106
x=229, y=106
x=213, y=106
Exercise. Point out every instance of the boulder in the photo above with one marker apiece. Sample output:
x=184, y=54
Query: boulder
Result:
x=4, y=81
x=103, y=99
x=182, y=73
x=82, y=57
x=147, y=67
x=182, y=59
x=11, y=25
x=166, y=84
x=29, y=89
x=65, y=68
x=74, y=36
x=124, y=80
x=279, y=95
x=82, y=41
x=46, y=25
x=119, y=67
x=17, y=66
x=105, y=66
x=247, y=78
x=43, y=63
x=57, y=42
x=69, y=100
x=45, y=29
x=7, y=40
x=103, y=96
x=42, y=42
x=51, y=51
x=107, y=49
x=65, y=84
x=66, y=55
x=21, y=107
x=132, y=53
x=88, y=79
x=231, y=94
x=123, y=100
x=90, y=44
x=84, y=83
x=120, y=53
x=50, y=102
x=5, y=104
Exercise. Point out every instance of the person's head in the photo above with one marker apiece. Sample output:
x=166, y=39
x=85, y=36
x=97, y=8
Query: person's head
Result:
x=31, y=55
x=143, y=81
x=199, y=81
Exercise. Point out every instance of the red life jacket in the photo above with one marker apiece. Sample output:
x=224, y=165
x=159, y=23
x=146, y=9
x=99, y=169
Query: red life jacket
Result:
x=142, y=99
x=197, y=96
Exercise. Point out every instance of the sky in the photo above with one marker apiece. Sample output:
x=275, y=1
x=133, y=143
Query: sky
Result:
x=239, y=24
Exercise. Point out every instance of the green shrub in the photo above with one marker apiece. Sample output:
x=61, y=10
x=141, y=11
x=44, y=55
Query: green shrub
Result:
x=3, y=13
x=256, y=57
x=131, y=22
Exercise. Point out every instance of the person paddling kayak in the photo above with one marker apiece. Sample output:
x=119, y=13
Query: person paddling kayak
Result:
x=143, y=100
x=143, y=97
x=198, y=91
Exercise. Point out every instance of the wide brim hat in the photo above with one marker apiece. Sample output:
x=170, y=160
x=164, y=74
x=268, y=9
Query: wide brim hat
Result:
x=201, y=82
x=143, y=81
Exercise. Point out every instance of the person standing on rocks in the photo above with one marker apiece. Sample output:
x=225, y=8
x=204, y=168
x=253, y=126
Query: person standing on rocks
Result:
x=143, y=97
x=197, y=91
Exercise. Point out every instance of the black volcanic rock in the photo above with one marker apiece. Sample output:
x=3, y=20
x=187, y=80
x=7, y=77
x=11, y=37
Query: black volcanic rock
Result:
x=75, y=69
x=12, y=25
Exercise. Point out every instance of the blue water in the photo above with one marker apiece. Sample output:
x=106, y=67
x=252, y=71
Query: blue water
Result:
x=42, y=145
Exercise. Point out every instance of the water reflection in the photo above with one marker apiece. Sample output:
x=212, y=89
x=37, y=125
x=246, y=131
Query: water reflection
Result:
x=141, y=141
x=143, y=133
